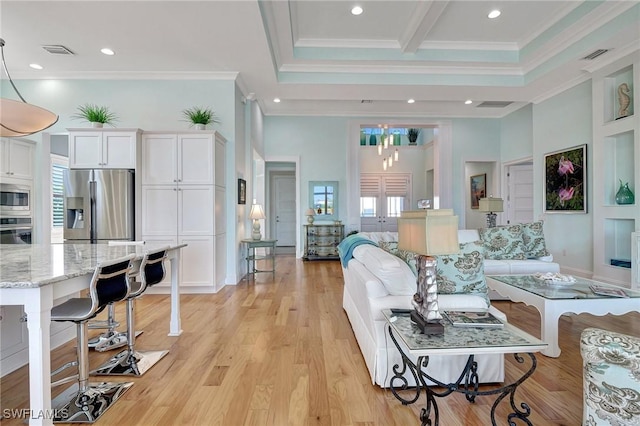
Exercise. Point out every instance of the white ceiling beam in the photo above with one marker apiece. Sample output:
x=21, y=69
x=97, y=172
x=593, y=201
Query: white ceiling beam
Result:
x=422, y=21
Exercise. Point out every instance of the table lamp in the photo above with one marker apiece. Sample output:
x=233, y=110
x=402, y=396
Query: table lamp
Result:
x=310, y=213
x=427, y=233
x=490, y=205
x=257, y=213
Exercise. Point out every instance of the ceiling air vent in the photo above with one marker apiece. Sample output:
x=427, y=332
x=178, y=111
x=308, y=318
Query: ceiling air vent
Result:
x=57, y=49
x=591, y=56
x=494, y=104
x=366, y=101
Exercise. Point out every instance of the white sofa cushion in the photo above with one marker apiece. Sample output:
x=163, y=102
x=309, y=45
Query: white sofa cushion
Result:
x=468, y=235
x=394, y=273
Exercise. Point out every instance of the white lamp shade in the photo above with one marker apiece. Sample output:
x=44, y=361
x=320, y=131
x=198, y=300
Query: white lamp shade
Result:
x=490, y=205
x=22, y=119
x=428, y=232
x=309, y=212
x=257, y=212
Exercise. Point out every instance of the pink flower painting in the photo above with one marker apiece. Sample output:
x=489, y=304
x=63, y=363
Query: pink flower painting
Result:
x=565, y=174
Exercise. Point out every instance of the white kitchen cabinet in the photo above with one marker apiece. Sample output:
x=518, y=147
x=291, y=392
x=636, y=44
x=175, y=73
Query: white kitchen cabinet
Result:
x=16, y=159
x=183, y=199
x=103, y=148
x=178, y=158
x=177, y=210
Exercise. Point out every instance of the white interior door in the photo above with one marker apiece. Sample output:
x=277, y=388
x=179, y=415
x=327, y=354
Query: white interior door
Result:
x=520, y=196
x=284, y=206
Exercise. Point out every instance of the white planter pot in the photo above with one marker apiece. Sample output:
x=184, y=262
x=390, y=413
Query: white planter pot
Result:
x=200, y=126
x=97, y=125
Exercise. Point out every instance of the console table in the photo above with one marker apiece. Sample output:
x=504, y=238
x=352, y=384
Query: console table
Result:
x=471, y=341
x=34, y=275
x=251, y=256
x=552, y=301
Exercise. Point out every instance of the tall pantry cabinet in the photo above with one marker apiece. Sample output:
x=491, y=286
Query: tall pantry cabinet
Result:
x=183, y=201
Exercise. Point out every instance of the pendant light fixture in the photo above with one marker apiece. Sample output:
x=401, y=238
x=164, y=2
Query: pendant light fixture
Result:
x=19, y=118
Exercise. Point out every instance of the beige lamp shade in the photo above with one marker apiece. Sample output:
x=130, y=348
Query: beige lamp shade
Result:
x=19, y=118
x=257, y=212
x=490, y=205
x=309, y=212
x=428, y=232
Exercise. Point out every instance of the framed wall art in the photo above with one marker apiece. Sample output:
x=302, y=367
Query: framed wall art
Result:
x=478, y=189
x=565, y=180
x=242, y=191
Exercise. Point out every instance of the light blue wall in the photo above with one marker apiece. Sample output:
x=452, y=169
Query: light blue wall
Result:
x=321, y=144
x=474, y=139
x=565, y=121
x=516, y=135
x=145, y=104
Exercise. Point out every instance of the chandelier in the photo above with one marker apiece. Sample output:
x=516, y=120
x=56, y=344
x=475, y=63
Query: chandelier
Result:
x=19, y=118
x=386, y=141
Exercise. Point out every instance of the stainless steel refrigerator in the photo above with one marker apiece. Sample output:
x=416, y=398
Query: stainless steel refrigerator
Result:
x=98, y=205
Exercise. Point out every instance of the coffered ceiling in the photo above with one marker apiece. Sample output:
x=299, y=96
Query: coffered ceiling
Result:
x=319, y=59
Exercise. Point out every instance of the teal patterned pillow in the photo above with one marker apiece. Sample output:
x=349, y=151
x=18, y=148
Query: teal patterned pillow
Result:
x=408, y=256
x=503, y=242
x=463, y=272
x=533, y=239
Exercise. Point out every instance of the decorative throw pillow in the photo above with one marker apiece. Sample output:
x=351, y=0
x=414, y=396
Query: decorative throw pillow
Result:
x=533, y=239
x=408, y=256
x=463, y=272
x=503, y=242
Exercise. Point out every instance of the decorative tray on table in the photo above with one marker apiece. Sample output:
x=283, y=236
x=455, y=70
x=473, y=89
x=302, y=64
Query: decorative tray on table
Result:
x=555, y=279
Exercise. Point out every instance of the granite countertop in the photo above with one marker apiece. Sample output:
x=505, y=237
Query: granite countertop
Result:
x=36, y=265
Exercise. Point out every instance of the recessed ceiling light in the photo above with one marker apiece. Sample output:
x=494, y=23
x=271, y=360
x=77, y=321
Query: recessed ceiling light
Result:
x=107, y=51
x=276, y=100
x=468, y=102
x=494, y=14
x=411, y=101
x=36, y=66
x=357, y=10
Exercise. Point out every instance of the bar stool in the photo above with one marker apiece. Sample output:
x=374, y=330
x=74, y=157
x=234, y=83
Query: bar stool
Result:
x=111, y=339
x=85, y=402
x=130, y=362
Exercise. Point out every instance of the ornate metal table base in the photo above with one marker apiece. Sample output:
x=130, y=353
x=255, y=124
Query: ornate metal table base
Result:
x=467, y=384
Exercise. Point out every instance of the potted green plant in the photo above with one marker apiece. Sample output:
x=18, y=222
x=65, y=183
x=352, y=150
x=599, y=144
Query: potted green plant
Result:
x=412, y=135
x=98, y=116
x=200, y=117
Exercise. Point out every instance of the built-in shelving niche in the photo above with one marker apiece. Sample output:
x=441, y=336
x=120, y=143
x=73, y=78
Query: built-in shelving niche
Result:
x=618, y=165
x=611, y=97
x=617, y=242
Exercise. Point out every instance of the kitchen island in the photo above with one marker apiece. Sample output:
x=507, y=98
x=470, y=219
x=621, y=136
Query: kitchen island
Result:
x=36, y=275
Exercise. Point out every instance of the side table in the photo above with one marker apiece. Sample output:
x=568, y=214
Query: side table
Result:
x=251, y=256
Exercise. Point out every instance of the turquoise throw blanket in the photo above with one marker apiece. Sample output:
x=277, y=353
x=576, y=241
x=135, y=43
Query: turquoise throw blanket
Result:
x=346, y=247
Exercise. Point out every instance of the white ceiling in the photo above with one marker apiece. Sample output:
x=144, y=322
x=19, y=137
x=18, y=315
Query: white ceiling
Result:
x=321, y=60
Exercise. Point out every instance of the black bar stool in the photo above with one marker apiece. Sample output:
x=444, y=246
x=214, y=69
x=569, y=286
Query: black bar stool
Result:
x=85, y=402
x=110, y=339
x=130, y=362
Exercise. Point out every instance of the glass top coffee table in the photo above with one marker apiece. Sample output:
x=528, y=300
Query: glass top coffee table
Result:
x=553, y=300
x=469, y=341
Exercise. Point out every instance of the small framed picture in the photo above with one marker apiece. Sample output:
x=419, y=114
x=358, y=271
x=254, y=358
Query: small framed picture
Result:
x=477, y=186
x=424, y=204
x=242, y=191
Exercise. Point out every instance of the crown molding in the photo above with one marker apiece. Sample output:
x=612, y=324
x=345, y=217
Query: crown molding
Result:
x=612, y=56
x=561, y=88
x=137, y=75
x=401, y=69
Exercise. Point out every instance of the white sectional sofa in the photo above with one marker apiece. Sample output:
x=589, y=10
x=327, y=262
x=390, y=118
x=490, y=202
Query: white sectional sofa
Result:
x=366, y=294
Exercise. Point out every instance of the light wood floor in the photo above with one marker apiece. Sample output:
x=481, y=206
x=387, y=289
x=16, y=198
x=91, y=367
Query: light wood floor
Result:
x=281, y=352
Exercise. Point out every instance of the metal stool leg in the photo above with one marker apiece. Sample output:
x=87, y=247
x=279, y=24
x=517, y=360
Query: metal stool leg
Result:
x=85, y=402
x=130, y=362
